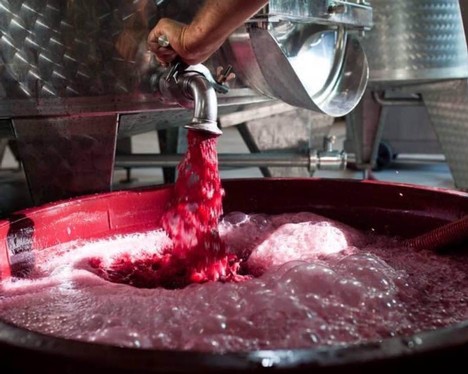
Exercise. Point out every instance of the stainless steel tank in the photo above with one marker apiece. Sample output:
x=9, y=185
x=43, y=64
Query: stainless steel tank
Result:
x=68, y=57
x=65, y=57
x=416, y=47
x=73, y=74
x=414, y=41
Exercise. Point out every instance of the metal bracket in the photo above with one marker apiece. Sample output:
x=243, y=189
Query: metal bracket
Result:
x=350, y=14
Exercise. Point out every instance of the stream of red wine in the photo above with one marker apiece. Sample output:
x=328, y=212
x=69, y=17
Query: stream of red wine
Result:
x=191, y=220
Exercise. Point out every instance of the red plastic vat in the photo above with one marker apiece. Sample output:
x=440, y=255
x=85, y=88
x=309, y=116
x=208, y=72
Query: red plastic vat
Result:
x=386, y=208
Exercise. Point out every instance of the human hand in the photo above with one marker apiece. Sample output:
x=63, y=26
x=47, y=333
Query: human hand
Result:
x=184, y=41
x=174, y=32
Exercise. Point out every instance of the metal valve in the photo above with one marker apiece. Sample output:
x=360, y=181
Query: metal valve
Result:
x=327, y=158
x=192, y=87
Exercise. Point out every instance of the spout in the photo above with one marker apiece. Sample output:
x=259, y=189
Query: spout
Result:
x=192, y=88
x=205, y=113
x=195, y=85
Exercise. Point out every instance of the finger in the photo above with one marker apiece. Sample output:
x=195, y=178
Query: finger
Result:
x=166, y=58
x=156, y=48
x=153, y=47
x=231, y=77
x=154, y=35
x=166, y=53
x=161, y=52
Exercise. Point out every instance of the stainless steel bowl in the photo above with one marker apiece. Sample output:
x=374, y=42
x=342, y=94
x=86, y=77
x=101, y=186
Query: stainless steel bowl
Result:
x=307, y=66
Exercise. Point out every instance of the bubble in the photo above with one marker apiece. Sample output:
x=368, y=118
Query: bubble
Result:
x=307, y=293
x=350, y=292
x=236, y=218
x=370, y=271
x=309, y=279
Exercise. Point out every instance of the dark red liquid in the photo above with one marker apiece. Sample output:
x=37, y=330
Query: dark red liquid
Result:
x=197, y=254
x=318, y=284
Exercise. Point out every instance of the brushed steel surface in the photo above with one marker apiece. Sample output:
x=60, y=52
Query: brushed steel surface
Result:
x=353, y=14
x=447, y=105
x=65, y=157
x=416, y=41
x=364, y=127
x=53, y=48
x=86, y=56
x=81, y=60
x=66, y=57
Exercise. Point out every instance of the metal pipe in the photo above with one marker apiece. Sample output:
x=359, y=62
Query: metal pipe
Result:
x=205, y=113
x=278, y=159
x=312, y=160
x=383, y=101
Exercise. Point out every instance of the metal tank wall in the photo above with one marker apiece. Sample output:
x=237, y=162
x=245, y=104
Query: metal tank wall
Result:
x=64, y=57
x=73, y=76
x=447, y=105
x=415, y=41
x=416, y=47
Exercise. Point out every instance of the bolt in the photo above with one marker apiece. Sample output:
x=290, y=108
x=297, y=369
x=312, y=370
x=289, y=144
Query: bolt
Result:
x=336, y=8
x=328, y=142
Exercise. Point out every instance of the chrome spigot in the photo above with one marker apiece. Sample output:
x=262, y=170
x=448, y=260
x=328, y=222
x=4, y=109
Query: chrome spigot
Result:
x=193, y=87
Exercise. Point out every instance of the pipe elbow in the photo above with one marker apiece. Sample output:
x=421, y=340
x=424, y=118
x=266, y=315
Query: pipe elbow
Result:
x=205, y=101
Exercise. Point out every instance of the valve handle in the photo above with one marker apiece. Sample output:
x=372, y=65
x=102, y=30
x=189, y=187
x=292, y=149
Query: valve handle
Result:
x=163, y=41
x=178, y=66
